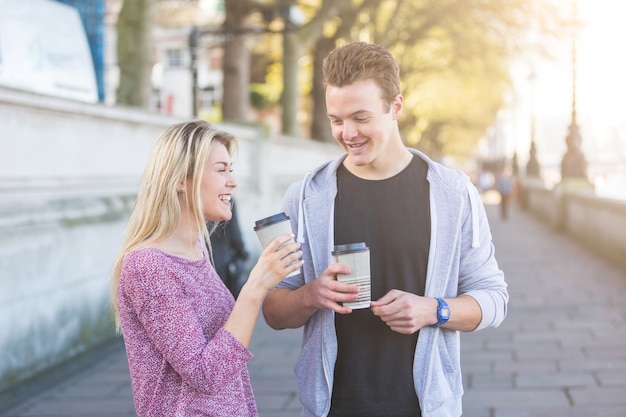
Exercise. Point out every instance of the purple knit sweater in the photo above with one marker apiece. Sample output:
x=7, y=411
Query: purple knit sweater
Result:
x=182, y=361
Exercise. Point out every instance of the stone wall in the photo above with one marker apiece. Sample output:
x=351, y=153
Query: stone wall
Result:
x=573, y=208
x=69, y=173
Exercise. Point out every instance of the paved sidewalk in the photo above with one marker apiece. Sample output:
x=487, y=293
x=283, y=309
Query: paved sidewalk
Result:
x=560, y=353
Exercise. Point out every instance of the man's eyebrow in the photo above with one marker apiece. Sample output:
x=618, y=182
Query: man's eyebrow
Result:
x=356, y=113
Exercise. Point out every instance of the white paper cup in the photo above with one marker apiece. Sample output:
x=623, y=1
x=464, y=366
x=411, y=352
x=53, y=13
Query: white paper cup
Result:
x=269, y=228
x=357, y=257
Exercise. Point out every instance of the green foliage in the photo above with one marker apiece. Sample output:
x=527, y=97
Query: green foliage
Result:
x=263, y=96
x=454, y=59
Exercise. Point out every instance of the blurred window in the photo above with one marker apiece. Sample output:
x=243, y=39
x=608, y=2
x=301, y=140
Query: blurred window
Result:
x=174, y=58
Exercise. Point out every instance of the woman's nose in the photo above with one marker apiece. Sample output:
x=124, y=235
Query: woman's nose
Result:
x=231, y=182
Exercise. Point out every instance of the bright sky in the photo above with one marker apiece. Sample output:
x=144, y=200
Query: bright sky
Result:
x=602, y=61
x=601, y=92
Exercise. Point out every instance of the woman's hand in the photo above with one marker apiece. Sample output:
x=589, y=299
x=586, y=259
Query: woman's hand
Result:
x=280, y=258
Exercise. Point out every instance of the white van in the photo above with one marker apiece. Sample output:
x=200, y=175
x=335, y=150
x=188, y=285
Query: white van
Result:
x=44, y=49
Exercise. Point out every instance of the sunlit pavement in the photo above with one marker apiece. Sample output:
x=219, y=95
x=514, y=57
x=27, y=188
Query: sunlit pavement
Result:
x=562, y=349
x=560, y=353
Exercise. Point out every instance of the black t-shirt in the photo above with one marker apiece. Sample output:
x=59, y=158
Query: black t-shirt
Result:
x=374, y=369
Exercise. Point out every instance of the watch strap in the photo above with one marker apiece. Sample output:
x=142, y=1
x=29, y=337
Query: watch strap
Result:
x=443, y=312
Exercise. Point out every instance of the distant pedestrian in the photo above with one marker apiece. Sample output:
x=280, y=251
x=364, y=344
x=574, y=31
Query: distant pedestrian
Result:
x=504, y=186
x=186, y=337
x=229, y=252
x=485, y=181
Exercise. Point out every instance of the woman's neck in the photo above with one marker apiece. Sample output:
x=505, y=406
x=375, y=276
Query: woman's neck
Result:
x=183, y=242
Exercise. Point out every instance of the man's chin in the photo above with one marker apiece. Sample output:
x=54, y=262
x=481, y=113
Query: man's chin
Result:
x=358, y=160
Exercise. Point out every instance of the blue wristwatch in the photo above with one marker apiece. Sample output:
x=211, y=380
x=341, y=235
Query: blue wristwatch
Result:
x=443, y=313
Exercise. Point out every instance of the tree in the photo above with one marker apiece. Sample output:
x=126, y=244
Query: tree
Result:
x=296, y=41
x=453, y=56
x=236, y=64
x=134, y=52
x=339, y=27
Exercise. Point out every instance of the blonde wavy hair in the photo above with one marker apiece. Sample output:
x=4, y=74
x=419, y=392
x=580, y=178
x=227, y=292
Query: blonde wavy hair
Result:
x=179, y=155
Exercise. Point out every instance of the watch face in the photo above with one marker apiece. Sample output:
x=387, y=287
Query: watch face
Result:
x=443, y=313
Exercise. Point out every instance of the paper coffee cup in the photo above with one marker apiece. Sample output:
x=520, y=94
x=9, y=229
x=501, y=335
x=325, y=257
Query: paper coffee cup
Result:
x=357, y=257
x=268, y=228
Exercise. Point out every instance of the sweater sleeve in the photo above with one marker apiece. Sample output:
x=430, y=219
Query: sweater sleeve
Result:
x=174, y=329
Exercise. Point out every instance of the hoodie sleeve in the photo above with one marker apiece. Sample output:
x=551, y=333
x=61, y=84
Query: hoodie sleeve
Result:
x=479, y=274
x=292, y=208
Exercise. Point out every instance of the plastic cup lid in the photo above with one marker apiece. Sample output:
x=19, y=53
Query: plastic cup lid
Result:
x=350, y=248
x=276, y=218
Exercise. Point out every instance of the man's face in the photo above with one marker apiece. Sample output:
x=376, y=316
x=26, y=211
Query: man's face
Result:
x=363, y=124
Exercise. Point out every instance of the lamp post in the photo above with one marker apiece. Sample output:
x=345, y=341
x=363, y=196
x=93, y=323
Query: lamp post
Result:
x=533, y=169
x=292, y=18
x=574, y=164
x=194, y=37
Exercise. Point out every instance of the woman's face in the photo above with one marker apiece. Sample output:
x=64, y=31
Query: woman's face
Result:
x=217, y=185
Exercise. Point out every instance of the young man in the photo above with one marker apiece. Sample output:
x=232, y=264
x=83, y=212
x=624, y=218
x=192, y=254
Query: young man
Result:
x=433, y=269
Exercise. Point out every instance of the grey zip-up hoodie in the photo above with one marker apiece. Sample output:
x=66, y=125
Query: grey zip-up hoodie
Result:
x=461, y=261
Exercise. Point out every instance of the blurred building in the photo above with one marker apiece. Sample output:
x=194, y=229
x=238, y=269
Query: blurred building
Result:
x=174, y=59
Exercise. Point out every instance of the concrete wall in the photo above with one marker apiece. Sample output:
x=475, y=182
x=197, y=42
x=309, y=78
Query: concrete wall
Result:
x=598, y=223
x=573, y=208
x=69, y=173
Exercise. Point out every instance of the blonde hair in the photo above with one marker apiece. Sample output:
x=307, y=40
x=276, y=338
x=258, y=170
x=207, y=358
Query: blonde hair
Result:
x=178, y=156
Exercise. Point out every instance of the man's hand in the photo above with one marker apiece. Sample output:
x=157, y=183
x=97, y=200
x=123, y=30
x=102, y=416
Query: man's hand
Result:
x=326, y=292
x=404, y=312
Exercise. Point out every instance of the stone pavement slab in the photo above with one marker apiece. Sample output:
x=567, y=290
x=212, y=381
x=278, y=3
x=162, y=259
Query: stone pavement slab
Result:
x=562, y=349
x=271, y=370
x=561, y=352
x=101, y=388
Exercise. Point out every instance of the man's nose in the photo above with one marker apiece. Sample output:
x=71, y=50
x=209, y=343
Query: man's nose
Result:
x=349, y=130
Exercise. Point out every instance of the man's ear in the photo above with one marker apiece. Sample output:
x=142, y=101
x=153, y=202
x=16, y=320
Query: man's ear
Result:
x=396, y=106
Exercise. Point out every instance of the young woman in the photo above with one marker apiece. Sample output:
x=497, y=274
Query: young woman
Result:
x=186, y=337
